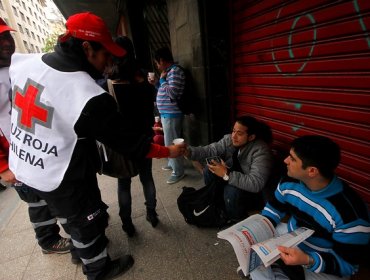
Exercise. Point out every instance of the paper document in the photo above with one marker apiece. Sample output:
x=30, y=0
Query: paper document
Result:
x=255, y=241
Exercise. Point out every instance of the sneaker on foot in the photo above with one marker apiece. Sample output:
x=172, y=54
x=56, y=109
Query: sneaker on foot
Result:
x=175, y=178
x=128, y=227
x=117, y=267
x=151, y=217
x=62, y=246
x=166, y=168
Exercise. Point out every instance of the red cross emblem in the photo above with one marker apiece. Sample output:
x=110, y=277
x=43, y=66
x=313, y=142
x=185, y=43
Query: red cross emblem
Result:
x=30, y=109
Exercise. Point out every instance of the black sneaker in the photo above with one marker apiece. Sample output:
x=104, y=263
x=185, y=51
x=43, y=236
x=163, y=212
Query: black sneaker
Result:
x=62, y=246
x=117, y=267
x=151, y=217
x=128, y=227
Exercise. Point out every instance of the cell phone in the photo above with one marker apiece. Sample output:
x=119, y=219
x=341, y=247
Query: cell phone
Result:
x=216, y=158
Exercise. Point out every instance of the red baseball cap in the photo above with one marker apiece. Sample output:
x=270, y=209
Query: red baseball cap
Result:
x=90, y=27
x=4, y=27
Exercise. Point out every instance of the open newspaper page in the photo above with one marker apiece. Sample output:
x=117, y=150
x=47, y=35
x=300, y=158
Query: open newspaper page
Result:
x=267, y=250
x=243, y=235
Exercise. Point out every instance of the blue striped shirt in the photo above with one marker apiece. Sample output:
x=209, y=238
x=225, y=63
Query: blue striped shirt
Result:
x=338, y=216
x=169, y=90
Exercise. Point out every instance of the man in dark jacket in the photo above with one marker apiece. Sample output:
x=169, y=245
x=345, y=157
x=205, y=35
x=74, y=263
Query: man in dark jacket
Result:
x=58, y=114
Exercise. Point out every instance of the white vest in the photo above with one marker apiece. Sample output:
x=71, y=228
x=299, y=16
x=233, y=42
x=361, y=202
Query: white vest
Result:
x=5, y=102
x=46, y=105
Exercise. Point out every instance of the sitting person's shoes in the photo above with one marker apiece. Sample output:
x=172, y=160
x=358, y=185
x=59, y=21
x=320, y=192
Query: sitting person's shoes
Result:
x=151, y=217
x=62, y=246
x=128, y=227
x=175, y=178
x=117, y=267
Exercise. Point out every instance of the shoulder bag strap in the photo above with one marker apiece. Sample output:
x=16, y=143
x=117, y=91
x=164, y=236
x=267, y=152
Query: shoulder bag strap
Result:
x=111, y=90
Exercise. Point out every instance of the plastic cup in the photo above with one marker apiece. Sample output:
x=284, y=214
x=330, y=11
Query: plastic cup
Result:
x=151, y=75
x=178, y=141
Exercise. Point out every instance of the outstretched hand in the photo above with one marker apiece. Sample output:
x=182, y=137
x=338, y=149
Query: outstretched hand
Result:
x=293, y=256
x=8, y=176
x=177, y=150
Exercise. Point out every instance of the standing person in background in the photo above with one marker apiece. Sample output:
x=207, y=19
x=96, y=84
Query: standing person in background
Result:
x=135, y=97
x=43, y=222
x=58, y=114
x=170, y=86
x=318, y=200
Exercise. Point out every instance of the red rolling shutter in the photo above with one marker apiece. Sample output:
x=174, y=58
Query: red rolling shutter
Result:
x=304, y=68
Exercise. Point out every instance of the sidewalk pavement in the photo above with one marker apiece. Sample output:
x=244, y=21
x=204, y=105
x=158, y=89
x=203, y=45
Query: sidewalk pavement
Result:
x=173, y=250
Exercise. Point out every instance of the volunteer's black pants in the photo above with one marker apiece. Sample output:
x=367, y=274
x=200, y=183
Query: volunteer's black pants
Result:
x=79, y=202
x=43, y=221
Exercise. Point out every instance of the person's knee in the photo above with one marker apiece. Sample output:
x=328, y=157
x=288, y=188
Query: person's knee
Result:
x=234, y=207
x=208, y=176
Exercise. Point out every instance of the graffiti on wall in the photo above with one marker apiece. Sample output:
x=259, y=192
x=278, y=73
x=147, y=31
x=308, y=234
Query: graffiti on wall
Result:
x=311, y=18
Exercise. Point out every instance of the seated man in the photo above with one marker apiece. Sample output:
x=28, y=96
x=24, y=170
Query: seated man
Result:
x=322, y=202
x=245, y=166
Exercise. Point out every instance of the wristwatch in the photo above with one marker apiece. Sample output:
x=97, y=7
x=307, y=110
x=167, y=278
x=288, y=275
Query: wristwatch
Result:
x=311, y=262
x=226, y=177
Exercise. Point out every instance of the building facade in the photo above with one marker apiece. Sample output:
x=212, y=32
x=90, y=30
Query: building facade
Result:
x=300, y=66
x=28, y=18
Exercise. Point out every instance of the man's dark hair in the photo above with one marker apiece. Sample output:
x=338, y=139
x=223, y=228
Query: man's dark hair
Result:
x=318, y=151
x=164, y=54
x=127, y=66
x=258, y=128
x=73, y=47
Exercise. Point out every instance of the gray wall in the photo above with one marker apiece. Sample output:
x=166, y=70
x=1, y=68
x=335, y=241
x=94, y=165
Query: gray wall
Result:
x=186, y=43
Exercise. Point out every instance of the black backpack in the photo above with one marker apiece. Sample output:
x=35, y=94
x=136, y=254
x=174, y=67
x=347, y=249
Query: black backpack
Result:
x=187, y=101
x=203, y=207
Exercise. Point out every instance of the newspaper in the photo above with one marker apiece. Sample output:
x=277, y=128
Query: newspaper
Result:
x=255, y=241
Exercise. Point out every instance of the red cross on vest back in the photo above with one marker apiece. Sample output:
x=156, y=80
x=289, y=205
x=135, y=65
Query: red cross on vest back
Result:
x=29, y=108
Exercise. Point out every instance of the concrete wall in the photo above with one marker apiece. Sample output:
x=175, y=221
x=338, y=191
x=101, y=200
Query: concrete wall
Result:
x=187, y=48
x=199, y=40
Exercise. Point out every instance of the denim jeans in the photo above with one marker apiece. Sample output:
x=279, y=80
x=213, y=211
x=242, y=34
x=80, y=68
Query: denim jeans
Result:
x=172, y=129
x=124, y=189
x=234, y=198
